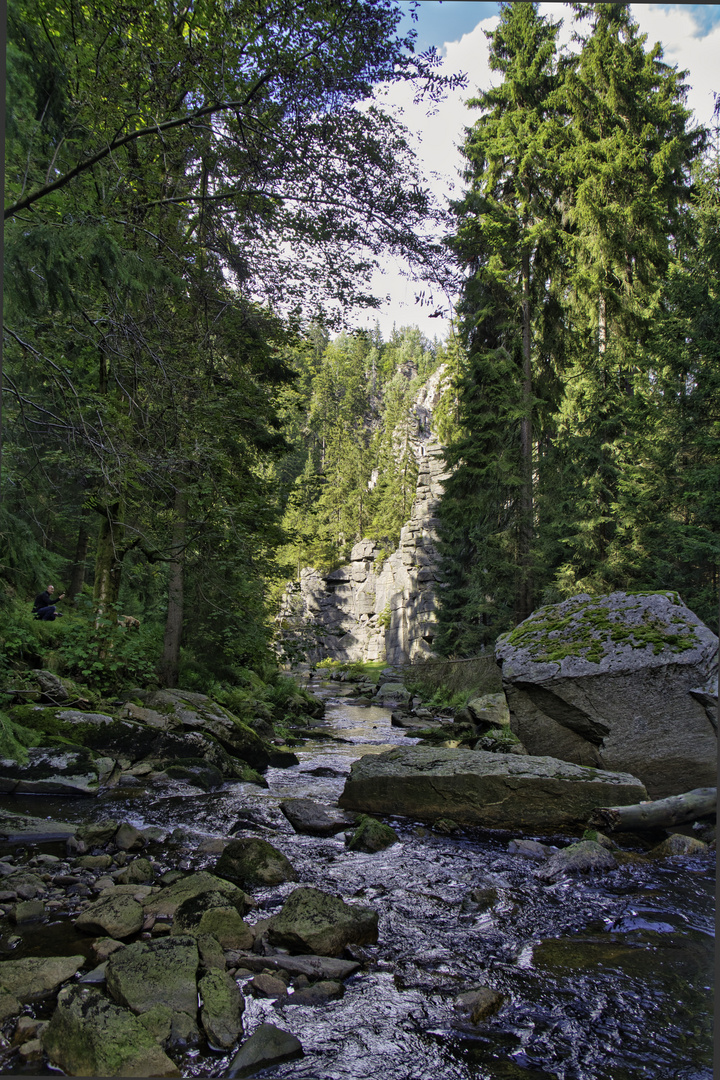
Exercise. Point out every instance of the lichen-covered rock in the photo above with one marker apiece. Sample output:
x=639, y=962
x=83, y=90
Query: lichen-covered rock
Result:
x=480, y=788
x=372, y=835
x=33, y=978
x=149, y=973
x=584, y=857
x=251, y=862
x=489, y=710
x=22, y=828
x=91, y=1036
x=212, y=913
x=51, y=685
x=678, y=844
x=222, y=1009
x=617, y=682
x=312, y=921
x=117, y=916
x=51, y=771
x=168, y=900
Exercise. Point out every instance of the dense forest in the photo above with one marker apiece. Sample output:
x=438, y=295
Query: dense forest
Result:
x=196, y=196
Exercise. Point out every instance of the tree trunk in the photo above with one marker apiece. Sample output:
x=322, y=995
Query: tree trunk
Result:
x=662, y=813
x=524, y=597
x=77, y=574
x=108, y=560
x=170, y=663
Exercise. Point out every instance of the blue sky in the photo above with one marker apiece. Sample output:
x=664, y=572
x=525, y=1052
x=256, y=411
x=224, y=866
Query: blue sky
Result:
x=447, y=20
x=688, y=33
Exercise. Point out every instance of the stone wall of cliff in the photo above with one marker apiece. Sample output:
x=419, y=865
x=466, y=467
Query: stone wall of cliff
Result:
x=373, y=609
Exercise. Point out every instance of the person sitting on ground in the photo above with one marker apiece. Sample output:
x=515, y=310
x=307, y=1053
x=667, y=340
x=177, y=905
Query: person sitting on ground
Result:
x=44, y=608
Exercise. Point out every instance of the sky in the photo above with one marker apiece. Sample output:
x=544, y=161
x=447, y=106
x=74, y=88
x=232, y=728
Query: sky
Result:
x=688, y=33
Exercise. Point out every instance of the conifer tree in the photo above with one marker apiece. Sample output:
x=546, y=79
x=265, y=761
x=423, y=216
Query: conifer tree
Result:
x=507, y=240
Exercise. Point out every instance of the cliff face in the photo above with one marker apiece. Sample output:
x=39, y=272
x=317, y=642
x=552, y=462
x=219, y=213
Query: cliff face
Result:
x=380, y=610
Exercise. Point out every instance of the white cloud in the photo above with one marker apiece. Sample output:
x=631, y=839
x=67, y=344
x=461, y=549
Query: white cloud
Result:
x=440, y=135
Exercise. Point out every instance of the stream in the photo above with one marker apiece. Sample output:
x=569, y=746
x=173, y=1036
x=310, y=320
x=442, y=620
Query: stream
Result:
x=604, y=977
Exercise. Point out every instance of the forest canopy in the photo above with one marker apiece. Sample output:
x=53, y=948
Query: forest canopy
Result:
x=196, y=197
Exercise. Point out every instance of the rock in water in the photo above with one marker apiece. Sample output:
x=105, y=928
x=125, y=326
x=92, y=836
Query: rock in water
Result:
x=149, y=973
x=91, y=1036
x=269, y=1045
x=33, y=978
x=249, y=862
x=312, y=921
x=312, y=818
x=613, y=682
x=222, y=1008
x=481, y=788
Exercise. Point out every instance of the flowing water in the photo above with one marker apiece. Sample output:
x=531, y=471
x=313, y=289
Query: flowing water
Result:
x=603, y=978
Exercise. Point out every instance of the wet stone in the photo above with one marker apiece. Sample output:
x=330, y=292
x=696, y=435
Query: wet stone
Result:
x=317, y=994
x=269, y=986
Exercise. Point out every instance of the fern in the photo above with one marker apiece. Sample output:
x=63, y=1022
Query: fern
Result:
x=15, y=740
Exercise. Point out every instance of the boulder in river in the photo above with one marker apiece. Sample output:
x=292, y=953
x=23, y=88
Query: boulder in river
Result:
x=250, y=862
x=584, y=857
x=620, y=682
x=117, y=916
x=312, y=921
x=268, y=1045
x=481, y=788
x=51, y=771
x=314, y=819
x=23, y=828
x=168, y=900
x=161, y=972
x=33, y=978
x=372, y=835
x=91, y=1036
x=222, y=1008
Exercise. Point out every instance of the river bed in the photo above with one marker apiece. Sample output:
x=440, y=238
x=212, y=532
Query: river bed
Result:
x=604, y=978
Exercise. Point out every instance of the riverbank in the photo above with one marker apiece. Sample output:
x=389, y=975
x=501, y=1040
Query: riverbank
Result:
x=598, y=974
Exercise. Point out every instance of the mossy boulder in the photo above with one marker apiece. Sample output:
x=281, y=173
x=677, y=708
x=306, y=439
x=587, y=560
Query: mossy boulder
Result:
x=312, y=921
x=168, y=900
x=198, y=773
x=612, y=682
x=251, y=862
x=161, y=972
x=221, y=1010
x=372, y=835
x=33, y=978
x=89, y=1035
x=116, y=916
x=213, y=913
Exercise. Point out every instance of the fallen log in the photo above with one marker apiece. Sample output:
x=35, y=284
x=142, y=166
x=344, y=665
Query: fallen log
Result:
x=660, y=814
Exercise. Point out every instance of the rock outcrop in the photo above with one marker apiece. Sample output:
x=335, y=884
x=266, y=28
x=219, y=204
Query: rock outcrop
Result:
x=374, y=608
x=475, y=787
x=621, y=682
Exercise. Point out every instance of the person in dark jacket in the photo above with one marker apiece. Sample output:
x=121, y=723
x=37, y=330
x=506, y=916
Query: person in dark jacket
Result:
x=44, y=608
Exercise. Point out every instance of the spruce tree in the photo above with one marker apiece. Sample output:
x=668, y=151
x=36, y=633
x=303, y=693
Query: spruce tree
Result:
x=507, y=226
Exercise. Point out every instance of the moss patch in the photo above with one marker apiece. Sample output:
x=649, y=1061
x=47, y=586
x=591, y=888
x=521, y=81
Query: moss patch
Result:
x=588, y=627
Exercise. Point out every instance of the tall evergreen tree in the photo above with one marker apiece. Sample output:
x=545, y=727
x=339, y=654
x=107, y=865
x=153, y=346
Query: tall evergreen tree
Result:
x=507, y=228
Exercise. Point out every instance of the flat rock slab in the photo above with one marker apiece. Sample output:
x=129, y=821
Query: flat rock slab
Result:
x=51, y=771
x=16, y=828
x=33, y=978
x=315, y=967
x=91, y=1036
x=315, y=819
x=269, y=1045
x=482, y=788
x=613, y=682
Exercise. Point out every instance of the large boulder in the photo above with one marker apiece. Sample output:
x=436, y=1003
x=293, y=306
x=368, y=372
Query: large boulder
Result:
x=251, y=861
x=613, y=682
x=313, y=818
x=222, y=1008
x=51, y=771
x=312, y=921
x=166, y=902
x=117, y=916
x=482, y=788
x=91, y=1036
x=161, y=972
x=33, y=978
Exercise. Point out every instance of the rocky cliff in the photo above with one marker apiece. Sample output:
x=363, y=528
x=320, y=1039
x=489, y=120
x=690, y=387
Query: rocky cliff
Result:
x=375, y=609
